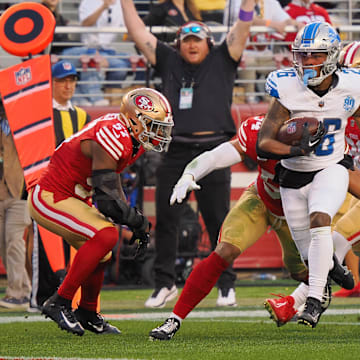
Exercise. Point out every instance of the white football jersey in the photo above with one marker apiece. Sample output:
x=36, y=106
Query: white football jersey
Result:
x=333, y=109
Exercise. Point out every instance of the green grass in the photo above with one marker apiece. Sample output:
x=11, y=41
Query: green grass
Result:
x=336, y=336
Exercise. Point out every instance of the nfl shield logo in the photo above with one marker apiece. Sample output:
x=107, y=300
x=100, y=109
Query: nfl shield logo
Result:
x=291, y=128
x=23, y=76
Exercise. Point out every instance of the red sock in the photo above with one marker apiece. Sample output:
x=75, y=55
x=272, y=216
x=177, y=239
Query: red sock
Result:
x=86, y=260
x=200, y=282
x=90, y=288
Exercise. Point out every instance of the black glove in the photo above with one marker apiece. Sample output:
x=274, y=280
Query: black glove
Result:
x=141, y=235
x=308, y=143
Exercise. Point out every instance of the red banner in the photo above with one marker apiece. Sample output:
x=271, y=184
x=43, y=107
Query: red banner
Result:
x=27, y=98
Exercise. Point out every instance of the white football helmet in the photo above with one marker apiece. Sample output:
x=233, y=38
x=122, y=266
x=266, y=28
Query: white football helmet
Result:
x=350, y=55
x=147, y=114
x=314, y=38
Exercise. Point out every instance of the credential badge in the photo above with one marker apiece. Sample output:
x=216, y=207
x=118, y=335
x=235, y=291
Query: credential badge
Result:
x=349, y=103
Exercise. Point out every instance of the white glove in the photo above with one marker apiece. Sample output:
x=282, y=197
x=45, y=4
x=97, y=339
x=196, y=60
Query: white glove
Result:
x=185, y=184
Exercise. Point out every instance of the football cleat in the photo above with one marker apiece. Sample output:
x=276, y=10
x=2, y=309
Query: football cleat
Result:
x=327, y=296
x=160, y=297
x=166, y=331
x=341, y=275
x=312, y=312
x=62, y=315
x=355, y=292
x=281, y=310
x=226, y=297
x=93, y=321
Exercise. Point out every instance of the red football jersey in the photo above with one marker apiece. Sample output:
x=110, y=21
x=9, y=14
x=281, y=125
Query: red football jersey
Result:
x=69, y=171
x=306, y=15
x=268, y=190
x=352, y=134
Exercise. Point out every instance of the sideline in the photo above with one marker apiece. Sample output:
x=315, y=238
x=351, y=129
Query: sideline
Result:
x=163, y=315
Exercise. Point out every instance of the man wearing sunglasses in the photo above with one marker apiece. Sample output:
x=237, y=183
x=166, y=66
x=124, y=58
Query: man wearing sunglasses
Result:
x=198, y=79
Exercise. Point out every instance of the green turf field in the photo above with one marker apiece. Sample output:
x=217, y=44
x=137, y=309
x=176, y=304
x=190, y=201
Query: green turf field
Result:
x=244, y=332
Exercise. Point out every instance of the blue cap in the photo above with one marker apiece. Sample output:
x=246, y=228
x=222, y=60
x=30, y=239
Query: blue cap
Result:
x=62, y=69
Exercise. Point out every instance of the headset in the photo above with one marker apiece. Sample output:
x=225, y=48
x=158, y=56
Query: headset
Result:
x=209, y=36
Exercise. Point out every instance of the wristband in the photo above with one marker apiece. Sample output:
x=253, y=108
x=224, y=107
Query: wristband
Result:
x=245, y=15
x=268, y=22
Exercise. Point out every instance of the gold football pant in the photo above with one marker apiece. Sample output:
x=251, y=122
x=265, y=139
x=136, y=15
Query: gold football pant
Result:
x=249, y=219
x=71, y=218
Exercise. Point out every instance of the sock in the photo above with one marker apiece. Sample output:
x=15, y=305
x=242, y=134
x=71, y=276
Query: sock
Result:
x=320, y=260
x=86, y=260
x=342, y=246
x=200, y=282
x=90, y=288
x=300, y=294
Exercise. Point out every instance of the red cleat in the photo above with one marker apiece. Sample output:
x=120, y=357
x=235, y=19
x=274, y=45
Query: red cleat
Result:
x=281, y=310
x=355, y=292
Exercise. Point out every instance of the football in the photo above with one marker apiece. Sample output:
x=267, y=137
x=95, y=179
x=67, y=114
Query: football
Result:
x=291, y=131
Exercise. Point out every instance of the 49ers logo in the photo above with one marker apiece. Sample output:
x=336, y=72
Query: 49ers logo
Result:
x=144, y=103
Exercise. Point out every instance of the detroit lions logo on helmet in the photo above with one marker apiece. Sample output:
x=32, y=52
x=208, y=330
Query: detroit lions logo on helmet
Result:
x=349, y=103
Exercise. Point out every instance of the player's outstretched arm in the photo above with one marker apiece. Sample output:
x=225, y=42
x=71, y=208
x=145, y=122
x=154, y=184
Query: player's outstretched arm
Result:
x=238, y=34
x=144, y=39
x=224, y=155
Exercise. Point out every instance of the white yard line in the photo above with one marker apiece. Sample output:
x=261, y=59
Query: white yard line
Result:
x=163, y=315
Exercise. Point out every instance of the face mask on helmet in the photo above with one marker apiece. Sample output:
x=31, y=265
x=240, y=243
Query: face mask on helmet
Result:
x=148, y=115
x=313, y=39
x=350, y=55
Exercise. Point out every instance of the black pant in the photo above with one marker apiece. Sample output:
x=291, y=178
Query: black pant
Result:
x=213, y=201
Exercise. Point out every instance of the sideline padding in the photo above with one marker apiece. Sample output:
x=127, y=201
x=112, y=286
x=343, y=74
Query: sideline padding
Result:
x=53, y=246
x=26, y=29
x=27, y=98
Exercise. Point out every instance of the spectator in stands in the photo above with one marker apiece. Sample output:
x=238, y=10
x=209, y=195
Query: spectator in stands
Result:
x=68, y=119
x=14, y=218
x=52, y=5
x=98, y=53
x=211, y=11
x=171, y=13
x=268, y=13
x=305, y=12
x=198, y=79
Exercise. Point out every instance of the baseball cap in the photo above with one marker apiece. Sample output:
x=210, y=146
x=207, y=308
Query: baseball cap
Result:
x=193, y=29
x=62, y=69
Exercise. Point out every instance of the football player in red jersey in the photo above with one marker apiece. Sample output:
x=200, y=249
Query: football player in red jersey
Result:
x=259, y=204
x=258, y=208
x=347, y=226
x=86, y=167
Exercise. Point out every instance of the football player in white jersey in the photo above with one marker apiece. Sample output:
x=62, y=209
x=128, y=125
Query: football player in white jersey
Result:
x=315, y=88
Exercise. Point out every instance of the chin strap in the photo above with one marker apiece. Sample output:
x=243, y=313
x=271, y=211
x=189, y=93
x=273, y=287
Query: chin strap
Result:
x=308, y=74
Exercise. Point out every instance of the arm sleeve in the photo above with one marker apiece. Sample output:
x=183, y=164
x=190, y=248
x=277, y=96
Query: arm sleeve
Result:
x=222, y=156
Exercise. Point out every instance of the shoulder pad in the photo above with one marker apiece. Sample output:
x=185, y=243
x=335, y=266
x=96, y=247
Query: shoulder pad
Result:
x=278, y=76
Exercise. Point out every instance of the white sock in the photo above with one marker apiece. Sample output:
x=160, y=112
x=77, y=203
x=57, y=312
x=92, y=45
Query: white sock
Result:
x=172, y=315
x=342, y=246
x=320, y=260
x=300, y=294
